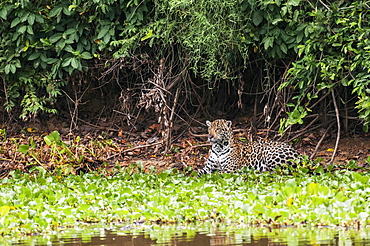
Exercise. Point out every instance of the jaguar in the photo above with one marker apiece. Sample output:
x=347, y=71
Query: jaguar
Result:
x=229, y=154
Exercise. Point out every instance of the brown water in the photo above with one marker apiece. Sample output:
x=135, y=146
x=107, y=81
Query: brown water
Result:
x=199, y=235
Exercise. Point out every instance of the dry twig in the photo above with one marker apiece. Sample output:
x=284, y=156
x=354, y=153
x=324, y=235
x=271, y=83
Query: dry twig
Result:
x=142, y=146
x=320, y=141
x=338, y=126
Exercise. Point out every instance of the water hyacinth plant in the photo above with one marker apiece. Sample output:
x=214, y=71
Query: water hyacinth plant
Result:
x=39, y=202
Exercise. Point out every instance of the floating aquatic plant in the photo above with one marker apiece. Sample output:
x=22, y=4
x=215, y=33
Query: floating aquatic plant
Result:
x=37, y=201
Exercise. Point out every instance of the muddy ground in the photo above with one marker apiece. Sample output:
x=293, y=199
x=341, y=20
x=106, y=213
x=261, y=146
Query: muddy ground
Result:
x=125, y=147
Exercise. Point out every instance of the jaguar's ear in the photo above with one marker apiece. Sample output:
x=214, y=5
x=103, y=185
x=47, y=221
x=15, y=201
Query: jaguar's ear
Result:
x=208, y=123
x=228, y=123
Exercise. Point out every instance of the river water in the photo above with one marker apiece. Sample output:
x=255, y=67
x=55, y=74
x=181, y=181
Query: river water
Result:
x=194, y=235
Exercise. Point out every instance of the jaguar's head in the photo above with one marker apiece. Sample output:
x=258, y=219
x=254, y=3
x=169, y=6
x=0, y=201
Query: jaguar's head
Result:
x=219, y=131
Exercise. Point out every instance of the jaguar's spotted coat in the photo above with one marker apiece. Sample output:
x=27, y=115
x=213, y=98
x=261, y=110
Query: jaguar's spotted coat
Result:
x=229, y=155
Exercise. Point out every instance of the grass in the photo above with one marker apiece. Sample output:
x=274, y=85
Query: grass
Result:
x=40, y=202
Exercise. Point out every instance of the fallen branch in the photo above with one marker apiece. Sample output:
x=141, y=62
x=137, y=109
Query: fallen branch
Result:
x=198, y=135
x=133, y=148
x=320, y=141
x=142, y=146
x=304, y=132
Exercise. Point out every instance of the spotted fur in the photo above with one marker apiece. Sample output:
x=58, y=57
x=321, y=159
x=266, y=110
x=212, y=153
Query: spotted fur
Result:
x=229, y=155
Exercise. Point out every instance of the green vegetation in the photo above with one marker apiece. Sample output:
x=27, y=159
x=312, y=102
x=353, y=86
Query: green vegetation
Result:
x=168, y=58
x=52, y=153
x=38, y=201
x=335, y=57
x=57, y=154
x=55, y=48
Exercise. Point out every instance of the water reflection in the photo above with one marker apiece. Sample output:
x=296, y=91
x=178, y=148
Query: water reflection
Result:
x=195, y=235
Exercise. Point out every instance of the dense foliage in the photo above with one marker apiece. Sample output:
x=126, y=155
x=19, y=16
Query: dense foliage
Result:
x=44, y=42
x=244, y=45
x=334, y=56
x=40, y=202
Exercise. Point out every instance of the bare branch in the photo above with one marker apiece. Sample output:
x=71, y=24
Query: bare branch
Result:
x=338, y=124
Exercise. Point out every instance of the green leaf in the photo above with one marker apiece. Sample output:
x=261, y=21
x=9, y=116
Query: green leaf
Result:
x=51, y=60
x=76, y=52
x=103, y=31
x=291, y=183
x=148, y=35
x=107, y=38
x=294, y=2
x=69, y=48
x=61, y=44
x=283, y=48
x=13, y=68
x=54, y=38
x=24, y=148
x=268, y=42
x=287, y=191
x=283, y=10
x=53, y=137
x=299, y=37
x=67, y=62
x=43, y=57
x=31, y=19
x=39, y=19
x=4, y=210
x=360, y=178
x=3, y=13
x=75, y=63
x=41, y=181
x=86, y=55
x=312, y=188
x=67, y=11
x=45, y=41
x=30, y=30
x=257, y=18
x=34, y=56
x=15, y=22
x=84, y=207
x=32, y=143
x=7, y=69
x=22, y=29
x=127, y=190
x=69, y=69
x=70, y=31
x=55, y=11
